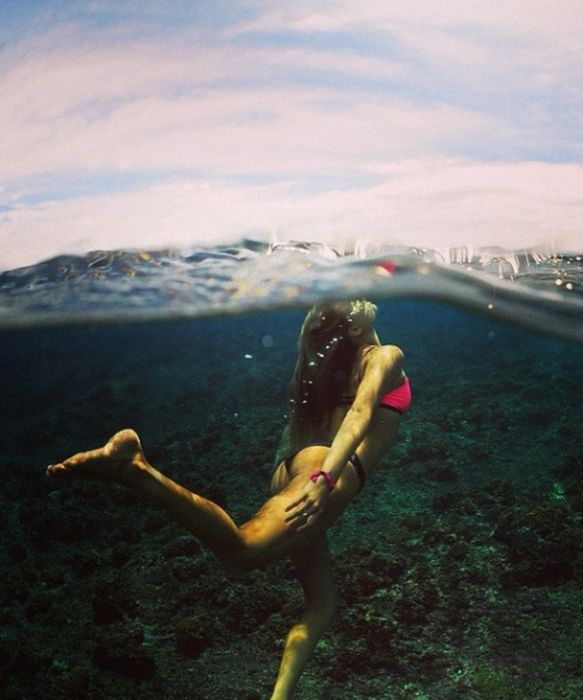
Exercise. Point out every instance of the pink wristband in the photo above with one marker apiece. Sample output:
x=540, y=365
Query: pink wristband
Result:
x=329, y=480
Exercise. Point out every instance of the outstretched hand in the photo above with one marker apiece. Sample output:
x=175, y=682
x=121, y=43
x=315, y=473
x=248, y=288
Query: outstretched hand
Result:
x=309, y=506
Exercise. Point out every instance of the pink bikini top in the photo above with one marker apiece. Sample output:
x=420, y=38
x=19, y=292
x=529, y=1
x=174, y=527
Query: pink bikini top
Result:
x=397, y=399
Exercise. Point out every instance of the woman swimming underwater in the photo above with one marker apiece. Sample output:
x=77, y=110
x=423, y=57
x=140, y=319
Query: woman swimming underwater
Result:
x=347, y=396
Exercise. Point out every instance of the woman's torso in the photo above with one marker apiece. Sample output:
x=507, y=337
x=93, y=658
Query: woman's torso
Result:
x=381, y=432
x=384, y=423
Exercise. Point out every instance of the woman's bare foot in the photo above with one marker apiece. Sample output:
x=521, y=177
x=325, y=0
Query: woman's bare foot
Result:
x=113, y=462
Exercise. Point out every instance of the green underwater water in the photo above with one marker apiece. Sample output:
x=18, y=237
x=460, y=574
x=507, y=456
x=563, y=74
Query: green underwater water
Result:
x=458, y=567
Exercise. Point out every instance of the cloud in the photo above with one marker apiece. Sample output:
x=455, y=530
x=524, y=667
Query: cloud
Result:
x=555, y=20
x=511, y=52
x=167, y=107
x=442, y=202
x=253, y=132
x=429, y=123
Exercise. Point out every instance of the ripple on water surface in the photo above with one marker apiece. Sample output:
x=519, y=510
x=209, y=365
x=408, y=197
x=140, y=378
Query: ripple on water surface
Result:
x=530, y=288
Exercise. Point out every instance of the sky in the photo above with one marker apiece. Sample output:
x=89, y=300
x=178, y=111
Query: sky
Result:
x=146, y=124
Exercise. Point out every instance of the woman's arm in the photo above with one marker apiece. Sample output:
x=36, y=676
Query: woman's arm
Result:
x=382, y=372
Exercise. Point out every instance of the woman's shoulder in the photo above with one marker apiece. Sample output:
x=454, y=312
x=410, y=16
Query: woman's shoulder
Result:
x=387, y=354
x=388, y=360
x=384, y=364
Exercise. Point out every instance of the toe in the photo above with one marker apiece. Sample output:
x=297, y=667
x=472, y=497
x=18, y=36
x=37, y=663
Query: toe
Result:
x=55, y=469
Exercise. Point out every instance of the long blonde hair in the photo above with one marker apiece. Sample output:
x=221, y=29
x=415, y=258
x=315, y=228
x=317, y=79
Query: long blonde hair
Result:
x=326, y=357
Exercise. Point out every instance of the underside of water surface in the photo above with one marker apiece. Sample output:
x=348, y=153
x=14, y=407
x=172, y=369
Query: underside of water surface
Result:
x=535, y=289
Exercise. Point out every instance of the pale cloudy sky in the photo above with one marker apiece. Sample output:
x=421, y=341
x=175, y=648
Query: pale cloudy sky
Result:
x=141, y=123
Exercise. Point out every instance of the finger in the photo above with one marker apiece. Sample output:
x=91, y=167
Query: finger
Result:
x=295, y=525
x=309, y=518
x=299, y=513
x=309, y=521
x=298, y=520
x=297, y=502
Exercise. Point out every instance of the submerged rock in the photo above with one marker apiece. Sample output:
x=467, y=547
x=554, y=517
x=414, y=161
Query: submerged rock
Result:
x=541, y=542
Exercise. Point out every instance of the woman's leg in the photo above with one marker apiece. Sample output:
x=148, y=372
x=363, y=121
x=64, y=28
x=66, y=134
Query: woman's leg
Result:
x=263, y=538
x=313, y=567
x=122, y=461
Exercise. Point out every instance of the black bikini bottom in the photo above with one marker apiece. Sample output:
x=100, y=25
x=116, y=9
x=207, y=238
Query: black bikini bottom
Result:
x=353, y=459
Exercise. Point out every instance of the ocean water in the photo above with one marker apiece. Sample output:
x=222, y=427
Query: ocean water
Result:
x=537, y=289
x=459, y=566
